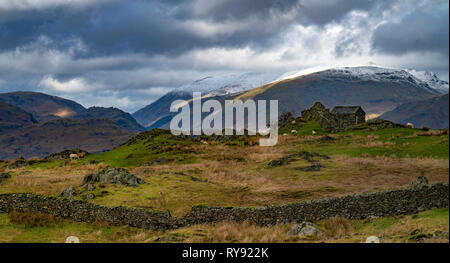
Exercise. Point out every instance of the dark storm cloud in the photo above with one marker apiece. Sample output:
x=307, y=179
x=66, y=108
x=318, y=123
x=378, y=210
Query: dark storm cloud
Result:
x=222, y=10
x=121, y=26
x=323, y=12
x=169, y=27
x=425, y=29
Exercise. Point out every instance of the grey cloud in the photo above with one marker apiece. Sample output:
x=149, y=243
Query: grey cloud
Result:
x=222, y=10
x=323, y=12
x=155, y=27
x=426, y=29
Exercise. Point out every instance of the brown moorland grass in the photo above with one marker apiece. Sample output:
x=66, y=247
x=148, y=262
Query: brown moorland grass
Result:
x=48, y=181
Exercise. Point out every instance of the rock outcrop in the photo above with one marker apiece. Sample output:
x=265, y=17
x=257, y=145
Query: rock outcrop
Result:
x=111, y=175
x=69, y=192
x=305, y=229
x=5, y=175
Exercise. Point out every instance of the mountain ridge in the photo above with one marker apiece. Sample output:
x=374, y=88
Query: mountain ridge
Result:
x=42, y=139
x=121, y=118
x=12, y=117
x=432, y=113
x=44, y=107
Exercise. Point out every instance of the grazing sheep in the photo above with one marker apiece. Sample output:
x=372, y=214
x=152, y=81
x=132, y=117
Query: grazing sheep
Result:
x=72, y=239
x=410, y=125
x=313, y=132
x=372, y=239
x=294, y=132
x=74, y=156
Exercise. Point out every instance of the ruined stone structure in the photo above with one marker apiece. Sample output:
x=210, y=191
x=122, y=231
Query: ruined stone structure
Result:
x=347, y=116
x=319, y=113
x=340, y=118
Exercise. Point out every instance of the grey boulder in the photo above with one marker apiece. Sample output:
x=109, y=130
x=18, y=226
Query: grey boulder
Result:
x=5, y=175
x=69, y=192
x=420, y=182
x=89, y=196
x=111, y=175
x=304, y=229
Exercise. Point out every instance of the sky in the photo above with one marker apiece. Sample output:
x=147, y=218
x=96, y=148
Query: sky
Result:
x=127, y=54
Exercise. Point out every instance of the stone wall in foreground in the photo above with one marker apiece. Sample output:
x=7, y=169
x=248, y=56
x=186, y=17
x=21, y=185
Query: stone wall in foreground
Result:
x=386, y=203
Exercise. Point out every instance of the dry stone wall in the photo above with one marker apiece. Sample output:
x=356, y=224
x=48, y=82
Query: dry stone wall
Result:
x=385, y=203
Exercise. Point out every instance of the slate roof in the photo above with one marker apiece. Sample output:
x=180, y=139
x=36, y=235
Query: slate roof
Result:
x=345, y=109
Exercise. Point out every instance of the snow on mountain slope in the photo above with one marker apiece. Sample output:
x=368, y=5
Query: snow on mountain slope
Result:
x=431, y=79
x=236, y=83
x=426, y=79
x=229, y=84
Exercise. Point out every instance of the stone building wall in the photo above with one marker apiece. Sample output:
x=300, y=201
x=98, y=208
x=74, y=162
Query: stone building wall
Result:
x=343, y=121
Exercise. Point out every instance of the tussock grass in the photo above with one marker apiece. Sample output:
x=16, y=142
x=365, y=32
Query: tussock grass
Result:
x=338, y=227
x=31, y=219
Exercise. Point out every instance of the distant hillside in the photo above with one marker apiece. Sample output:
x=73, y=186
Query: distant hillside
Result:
x=43, y=107
x=39, y=140
x=158, y=113
x=123, y=119
x=12, y=117
x=432, y=113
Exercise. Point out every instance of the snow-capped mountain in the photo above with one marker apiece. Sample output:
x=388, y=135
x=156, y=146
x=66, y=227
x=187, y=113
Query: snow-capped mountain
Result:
x=431, y=79
x=371, y=73
x=376, y=89
x=221, y=85
x=238, y=82
x=229, y=84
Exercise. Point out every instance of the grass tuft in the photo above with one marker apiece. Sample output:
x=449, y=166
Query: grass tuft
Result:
x=32, y=219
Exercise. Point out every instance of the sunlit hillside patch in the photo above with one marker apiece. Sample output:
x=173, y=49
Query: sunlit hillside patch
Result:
x=65, y=113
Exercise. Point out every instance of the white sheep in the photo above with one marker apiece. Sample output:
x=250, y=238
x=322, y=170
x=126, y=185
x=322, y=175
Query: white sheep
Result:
x=72, y=239
x=372, y=239
x=74, y=156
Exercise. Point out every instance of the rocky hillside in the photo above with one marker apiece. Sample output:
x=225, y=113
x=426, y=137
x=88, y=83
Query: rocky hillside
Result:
x=123, y=119
x=432, y=113
x=39, y=140
x=43, y=107
x=12, y=117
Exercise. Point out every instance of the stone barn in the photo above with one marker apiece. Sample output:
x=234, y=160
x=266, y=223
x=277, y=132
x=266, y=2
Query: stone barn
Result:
x=346, y=116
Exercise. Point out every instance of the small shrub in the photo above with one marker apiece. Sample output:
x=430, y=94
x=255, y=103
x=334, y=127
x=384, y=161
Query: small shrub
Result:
x=31, y=219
